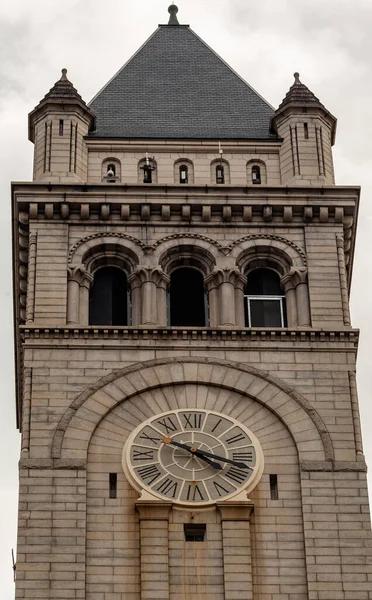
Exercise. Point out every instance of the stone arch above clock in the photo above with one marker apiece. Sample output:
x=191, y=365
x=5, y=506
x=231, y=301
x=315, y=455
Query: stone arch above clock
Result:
x=77, y=425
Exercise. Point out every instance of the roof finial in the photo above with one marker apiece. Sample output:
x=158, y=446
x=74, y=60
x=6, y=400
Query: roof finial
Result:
x=297, y=78
x=173, y=10
x=64, y=75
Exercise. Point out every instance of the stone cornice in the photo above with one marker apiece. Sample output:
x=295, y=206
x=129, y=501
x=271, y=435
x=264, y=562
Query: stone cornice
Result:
x=344, y=338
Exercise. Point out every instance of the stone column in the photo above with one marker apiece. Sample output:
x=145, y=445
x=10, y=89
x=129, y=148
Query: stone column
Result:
x=237, y=552
x=76, y=276
x=212, y=288
x=153, y=302
x=227, y=280
x=240, y=284
x=299, y=277
x=135, y=296
x=290, y=297
x=154, y=540
x=86, y=282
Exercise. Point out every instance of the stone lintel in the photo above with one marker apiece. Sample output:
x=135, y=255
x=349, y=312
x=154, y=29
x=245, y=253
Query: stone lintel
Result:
x=358, y=466
x=52, y=463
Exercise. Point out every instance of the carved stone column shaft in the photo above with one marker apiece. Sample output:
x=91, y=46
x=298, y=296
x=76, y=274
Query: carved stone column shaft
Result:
x=229, y=285
x=153, y=283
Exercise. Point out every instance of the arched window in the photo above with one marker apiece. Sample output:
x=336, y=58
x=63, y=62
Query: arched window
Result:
x=108, y=298
x=220, y=174
x=147, y=170
x=111, y=170
x=187, y=298
x=256, y=172
x=256, y=175
x=265, y=304
x=184, y=174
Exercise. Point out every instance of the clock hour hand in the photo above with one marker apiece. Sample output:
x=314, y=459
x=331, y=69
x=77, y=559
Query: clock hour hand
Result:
x=193, y=451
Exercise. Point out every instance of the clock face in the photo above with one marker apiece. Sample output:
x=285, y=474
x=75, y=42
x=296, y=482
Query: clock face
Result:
x=193, y=457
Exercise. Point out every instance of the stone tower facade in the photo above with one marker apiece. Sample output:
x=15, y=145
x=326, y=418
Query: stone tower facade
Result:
x=185, y=357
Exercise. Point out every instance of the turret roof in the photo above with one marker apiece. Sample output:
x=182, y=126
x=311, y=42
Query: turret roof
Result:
x=177, y=87
x=63, y=88
x=299, y=94
x=62, y=94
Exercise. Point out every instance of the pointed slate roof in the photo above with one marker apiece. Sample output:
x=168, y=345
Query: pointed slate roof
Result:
x=176, y=87
x=299, y=99
x=63, y=94
x=299, y=94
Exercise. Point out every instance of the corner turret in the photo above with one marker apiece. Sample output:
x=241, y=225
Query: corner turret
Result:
x=308, y=130
x=57, y=127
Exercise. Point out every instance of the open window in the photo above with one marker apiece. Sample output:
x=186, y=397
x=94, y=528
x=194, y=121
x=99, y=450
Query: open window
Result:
x=220, y=174
x=184, y=174
x=187, y=298
x=147, y=171
x=265, y=304
x=256, y=175
x=111, y=171
x=108, y=298
x=256, y=172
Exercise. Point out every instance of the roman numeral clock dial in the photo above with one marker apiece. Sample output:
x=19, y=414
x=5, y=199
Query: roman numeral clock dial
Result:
x=192, y=457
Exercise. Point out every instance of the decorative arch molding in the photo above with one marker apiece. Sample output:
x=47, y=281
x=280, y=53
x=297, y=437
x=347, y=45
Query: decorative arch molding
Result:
x=208, y=243
x=296, y=253
x=87, y=244
x=86, y=412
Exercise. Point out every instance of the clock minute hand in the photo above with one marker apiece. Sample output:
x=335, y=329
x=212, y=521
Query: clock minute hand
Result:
x=238, y=464
x=193, y=451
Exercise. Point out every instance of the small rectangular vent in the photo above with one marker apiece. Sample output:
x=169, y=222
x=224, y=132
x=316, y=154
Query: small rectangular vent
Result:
x=195, y=532
x=274, y=491
x=113, y=485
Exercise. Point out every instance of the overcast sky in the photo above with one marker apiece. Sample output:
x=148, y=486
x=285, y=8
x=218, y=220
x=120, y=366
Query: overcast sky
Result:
x=328, y=41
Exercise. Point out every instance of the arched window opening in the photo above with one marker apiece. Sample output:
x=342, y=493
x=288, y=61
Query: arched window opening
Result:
x=184, y=174
x=148, y=167
x=187, y=298
x=265, y=304
x=220, y=174
x=108, y=299
x=256, y=175
x=111, y=170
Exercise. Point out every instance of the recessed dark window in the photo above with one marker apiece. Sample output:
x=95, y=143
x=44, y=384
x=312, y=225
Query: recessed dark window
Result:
x=187, y=298
x=61, y=127
x=147, y=173
x=108, y=302
x=274, y=490
x=306, y=131
x=195, y=533
x=264, y=300
x=220, y=174
x=113, y=485
x=256, y=175
x=184, y=174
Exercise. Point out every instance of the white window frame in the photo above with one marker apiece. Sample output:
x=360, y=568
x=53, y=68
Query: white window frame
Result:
x=279, y=299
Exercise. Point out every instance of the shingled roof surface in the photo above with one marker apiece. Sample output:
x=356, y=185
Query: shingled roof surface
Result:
x=176, y=87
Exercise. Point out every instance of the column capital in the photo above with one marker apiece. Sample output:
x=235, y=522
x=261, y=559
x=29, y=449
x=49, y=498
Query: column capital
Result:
x=294, y=277
x=80, y=274
x=149, y=275
x=219, y=276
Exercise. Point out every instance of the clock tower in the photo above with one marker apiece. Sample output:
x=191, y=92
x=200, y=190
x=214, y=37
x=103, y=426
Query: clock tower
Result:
x=185, y=357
